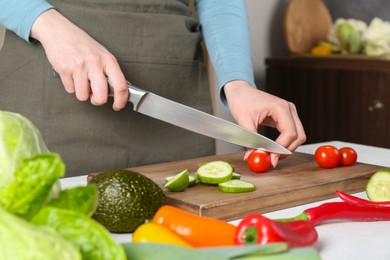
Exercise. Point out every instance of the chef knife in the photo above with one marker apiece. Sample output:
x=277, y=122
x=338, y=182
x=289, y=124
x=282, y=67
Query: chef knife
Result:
x=197, y=121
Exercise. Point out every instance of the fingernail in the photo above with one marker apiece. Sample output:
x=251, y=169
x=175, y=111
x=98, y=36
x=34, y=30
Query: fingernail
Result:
x=274, y=160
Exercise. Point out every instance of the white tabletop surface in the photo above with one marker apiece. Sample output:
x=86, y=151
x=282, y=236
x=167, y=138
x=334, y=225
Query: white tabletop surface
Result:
x=337, y=240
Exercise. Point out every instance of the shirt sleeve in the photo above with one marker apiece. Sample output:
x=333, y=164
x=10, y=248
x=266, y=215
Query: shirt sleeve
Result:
x=225, y=28
x=19, y=15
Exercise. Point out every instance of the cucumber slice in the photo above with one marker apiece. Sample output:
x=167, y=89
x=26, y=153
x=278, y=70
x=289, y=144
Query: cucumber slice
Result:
x=236, y=176
x=178, y=182
x=191, y=179
x=236, y=186
x=214, y=172
x=378, y=187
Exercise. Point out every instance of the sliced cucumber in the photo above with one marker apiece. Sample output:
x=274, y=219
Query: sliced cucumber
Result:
x=178, y=182
x=191, y=179
x=236, y=186
x=378, y=187
x=214, y=172
x=236, y=176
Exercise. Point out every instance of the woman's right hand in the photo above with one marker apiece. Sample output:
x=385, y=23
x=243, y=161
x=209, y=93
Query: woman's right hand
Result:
x=83, y=64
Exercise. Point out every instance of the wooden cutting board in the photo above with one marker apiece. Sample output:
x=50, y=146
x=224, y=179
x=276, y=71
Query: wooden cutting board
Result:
x=306, y=23
x=297, y=180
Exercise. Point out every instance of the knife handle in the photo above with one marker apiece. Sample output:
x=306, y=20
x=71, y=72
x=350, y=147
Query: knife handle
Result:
x=135, y=94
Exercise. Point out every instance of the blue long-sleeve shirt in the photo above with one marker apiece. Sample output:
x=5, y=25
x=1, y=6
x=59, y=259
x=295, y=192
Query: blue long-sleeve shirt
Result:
x=224, y=26
x=226, y=32
x=19, y=15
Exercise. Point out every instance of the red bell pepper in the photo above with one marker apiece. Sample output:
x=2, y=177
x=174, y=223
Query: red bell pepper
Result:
x=341, y=211
x=356, y=200
x=257, y=229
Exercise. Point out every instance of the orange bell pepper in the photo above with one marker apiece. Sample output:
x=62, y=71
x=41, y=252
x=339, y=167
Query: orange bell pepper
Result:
x=196, y=230
x=155, y=233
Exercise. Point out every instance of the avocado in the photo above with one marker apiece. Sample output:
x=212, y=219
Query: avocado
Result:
x=126, y=199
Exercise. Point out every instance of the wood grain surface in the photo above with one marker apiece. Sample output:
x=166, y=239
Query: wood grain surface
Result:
x=306, y=23
x=297, y=180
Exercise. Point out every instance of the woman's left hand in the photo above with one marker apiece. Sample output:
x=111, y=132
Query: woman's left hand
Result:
x=251, y=108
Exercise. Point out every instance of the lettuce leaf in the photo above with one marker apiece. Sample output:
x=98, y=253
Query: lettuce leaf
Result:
x=81, y=199
x=93, y=240
x=20, y=139
x=20, y=240
x=32, y=185
x=29, y=177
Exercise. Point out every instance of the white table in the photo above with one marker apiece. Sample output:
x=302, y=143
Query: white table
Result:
x=339, y=240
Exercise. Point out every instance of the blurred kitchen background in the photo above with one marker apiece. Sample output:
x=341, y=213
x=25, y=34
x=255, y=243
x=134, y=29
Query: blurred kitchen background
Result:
x=267, y=19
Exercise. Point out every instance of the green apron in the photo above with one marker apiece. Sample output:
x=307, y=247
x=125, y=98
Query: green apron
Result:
x=157, y=44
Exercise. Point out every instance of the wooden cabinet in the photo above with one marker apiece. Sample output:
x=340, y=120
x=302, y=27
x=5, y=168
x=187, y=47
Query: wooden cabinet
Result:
x=345, y=99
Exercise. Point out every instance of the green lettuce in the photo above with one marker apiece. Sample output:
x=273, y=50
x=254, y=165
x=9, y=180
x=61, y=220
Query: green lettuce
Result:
x=20, y=240
x=93, y=240
x=32, y=185
x=20, y=139
x=60, y=226
x=82, y=199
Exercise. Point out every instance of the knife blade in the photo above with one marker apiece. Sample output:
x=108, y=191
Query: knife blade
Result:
x=197, y=121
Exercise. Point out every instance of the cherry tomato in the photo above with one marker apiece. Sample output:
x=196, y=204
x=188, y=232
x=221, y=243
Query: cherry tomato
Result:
x=327, y=156
x=258, y=161
x=348, y=156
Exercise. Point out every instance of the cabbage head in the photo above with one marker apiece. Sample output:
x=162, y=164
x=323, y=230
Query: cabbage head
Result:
x=20, y=140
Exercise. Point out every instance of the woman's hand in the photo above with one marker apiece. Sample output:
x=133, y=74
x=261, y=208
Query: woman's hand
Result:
x=83, y=64
x=251, y=108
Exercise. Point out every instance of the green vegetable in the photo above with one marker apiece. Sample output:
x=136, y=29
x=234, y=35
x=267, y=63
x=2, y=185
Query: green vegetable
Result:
x=236, y=176
x=150, y=251
x=19, y=139
x=378, y=187
x=179, y=182
x=20, y=240
x=82, y=199
x=214, y=172
x=29, y=180
x=191, y=180
x=350, y=39
x=126, y=199
x=334, y=46
x=32, y=185
x=274, y=251
x=93, y=240
x=249, y=250
x=234, y=186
